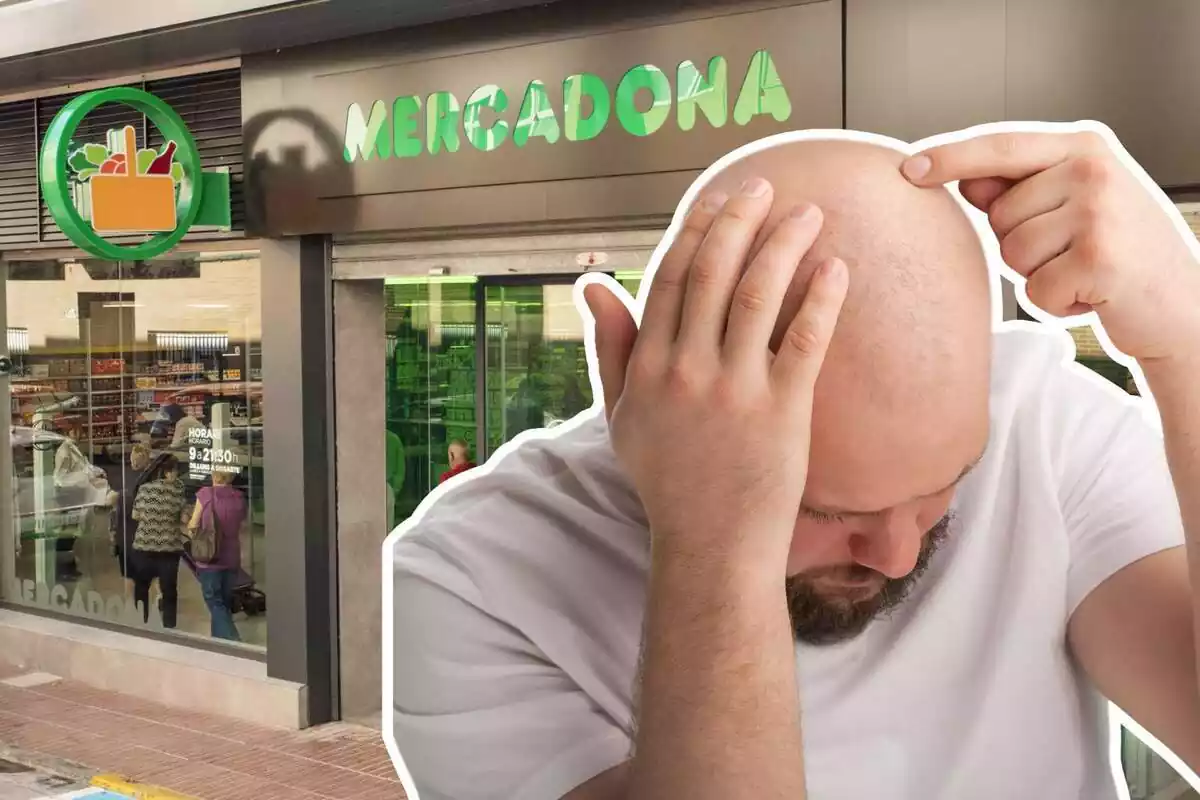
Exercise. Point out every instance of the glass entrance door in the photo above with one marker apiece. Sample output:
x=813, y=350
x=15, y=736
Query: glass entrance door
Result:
x=536, y=372
x=471, y=363
x=431, y=382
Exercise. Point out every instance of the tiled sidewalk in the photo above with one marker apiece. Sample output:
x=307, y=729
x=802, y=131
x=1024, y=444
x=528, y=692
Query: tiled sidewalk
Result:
x=204, y=757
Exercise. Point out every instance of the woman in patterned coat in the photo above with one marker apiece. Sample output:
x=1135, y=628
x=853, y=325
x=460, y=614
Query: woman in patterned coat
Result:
x=158, y=542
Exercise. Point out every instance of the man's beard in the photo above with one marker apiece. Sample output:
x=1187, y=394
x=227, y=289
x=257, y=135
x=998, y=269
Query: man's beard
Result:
x=823, y=620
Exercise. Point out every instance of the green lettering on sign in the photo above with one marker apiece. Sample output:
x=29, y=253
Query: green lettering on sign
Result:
x=536, y=117
x=405, y=113
x=442, y=125
x=641, y=103
x=576, y=89
x=762, y=92
x=643, y=123
x=710, y=95
x=365, y=136
x=482, y=137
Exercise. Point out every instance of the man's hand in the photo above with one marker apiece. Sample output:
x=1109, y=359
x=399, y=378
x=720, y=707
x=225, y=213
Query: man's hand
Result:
x=1088, y=235
x=1084, y=231
x=711, y=425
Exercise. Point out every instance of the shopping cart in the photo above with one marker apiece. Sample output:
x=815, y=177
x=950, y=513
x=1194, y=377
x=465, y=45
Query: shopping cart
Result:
x=247, y=597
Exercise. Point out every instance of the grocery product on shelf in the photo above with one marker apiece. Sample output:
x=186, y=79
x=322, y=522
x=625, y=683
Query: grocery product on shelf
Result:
x=107, y=400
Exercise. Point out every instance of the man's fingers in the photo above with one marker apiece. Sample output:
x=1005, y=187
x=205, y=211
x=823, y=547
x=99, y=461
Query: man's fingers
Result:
x=1038, y=195
x=1062, y=286
x=616, y=334
x=1037, y=241
x=664, y=303
x=759, y=295
x=1013, y=156
x=982, y=192
x=718, y=265
x=802, y=351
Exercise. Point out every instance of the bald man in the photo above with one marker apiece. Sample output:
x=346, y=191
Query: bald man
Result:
x=895, y=554
x=459, y=454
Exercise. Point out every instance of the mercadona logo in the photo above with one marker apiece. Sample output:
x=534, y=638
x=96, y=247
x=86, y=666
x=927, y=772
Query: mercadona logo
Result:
x=95, y=191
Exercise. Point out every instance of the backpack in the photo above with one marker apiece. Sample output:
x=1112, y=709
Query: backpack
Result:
x=206, y=538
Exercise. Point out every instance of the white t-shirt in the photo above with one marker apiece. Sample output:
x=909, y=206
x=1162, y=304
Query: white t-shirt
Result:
x=519, y=603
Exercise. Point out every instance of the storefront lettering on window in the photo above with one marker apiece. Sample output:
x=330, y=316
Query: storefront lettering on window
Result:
x=587, y=109
x=83, y=602
x=95, y=191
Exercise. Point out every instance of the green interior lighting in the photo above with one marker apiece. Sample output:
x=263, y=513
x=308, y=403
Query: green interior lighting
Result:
x=425, y=280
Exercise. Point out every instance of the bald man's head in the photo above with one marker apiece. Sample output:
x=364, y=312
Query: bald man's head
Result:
x=459, y=452
x=901, y=407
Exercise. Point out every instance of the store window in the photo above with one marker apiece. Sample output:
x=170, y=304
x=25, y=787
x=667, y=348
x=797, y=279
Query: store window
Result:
x=136, y=399
x=473, y=362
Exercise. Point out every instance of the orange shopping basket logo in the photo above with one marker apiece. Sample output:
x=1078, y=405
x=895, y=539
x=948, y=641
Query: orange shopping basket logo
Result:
x=152, y=196
x=132, y=191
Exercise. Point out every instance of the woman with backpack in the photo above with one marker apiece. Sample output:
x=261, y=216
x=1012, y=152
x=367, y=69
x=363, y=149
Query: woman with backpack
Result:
x=216, y=531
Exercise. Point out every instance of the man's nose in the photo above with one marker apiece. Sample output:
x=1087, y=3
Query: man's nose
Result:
x=890, y=546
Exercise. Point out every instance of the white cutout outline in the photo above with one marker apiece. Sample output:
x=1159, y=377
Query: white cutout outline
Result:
x=1046, y=325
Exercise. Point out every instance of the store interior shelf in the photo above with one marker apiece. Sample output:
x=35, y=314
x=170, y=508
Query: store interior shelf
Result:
x=111, y=399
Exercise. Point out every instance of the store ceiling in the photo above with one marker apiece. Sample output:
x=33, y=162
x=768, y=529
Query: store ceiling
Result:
x=56, y=43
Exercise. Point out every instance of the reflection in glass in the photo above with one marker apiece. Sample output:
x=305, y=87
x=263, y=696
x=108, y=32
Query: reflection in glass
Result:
x=477, y=361
x=537, y=373
x=117, y=367
x=431, y=338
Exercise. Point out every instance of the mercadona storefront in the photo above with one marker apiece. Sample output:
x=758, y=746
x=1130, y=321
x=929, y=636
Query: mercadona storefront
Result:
x=451, y=183
x=421, y=201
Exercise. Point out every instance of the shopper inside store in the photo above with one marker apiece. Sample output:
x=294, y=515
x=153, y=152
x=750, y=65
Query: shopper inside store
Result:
x=459, y=455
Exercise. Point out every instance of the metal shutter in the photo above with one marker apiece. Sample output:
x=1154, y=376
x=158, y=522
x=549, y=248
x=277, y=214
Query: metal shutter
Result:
x=210, y=103
x=18, y=175
x=211, y=106
x=93, y=129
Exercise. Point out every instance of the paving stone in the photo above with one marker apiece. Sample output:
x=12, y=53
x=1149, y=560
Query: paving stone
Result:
x=188, y=754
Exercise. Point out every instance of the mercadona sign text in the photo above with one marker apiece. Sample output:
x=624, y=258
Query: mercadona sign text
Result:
x=441, y=123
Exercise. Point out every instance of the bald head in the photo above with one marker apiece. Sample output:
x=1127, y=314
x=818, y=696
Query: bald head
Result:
x=913, y=254
x=459, y=452
x=901, y=405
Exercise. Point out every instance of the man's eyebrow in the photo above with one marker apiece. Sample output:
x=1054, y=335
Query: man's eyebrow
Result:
x=843, y=512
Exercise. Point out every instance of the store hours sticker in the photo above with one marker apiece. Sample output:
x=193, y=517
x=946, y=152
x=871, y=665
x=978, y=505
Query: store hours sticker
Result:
x=204, y=457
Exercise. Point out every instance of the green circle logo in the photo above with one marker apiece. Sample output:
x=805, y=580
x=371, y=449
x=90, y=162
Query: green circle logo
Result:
x=95, y=191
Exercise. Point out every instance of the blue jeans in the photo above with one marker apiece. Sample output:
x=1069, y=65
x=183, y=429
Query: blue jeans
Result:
x=217, y=585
